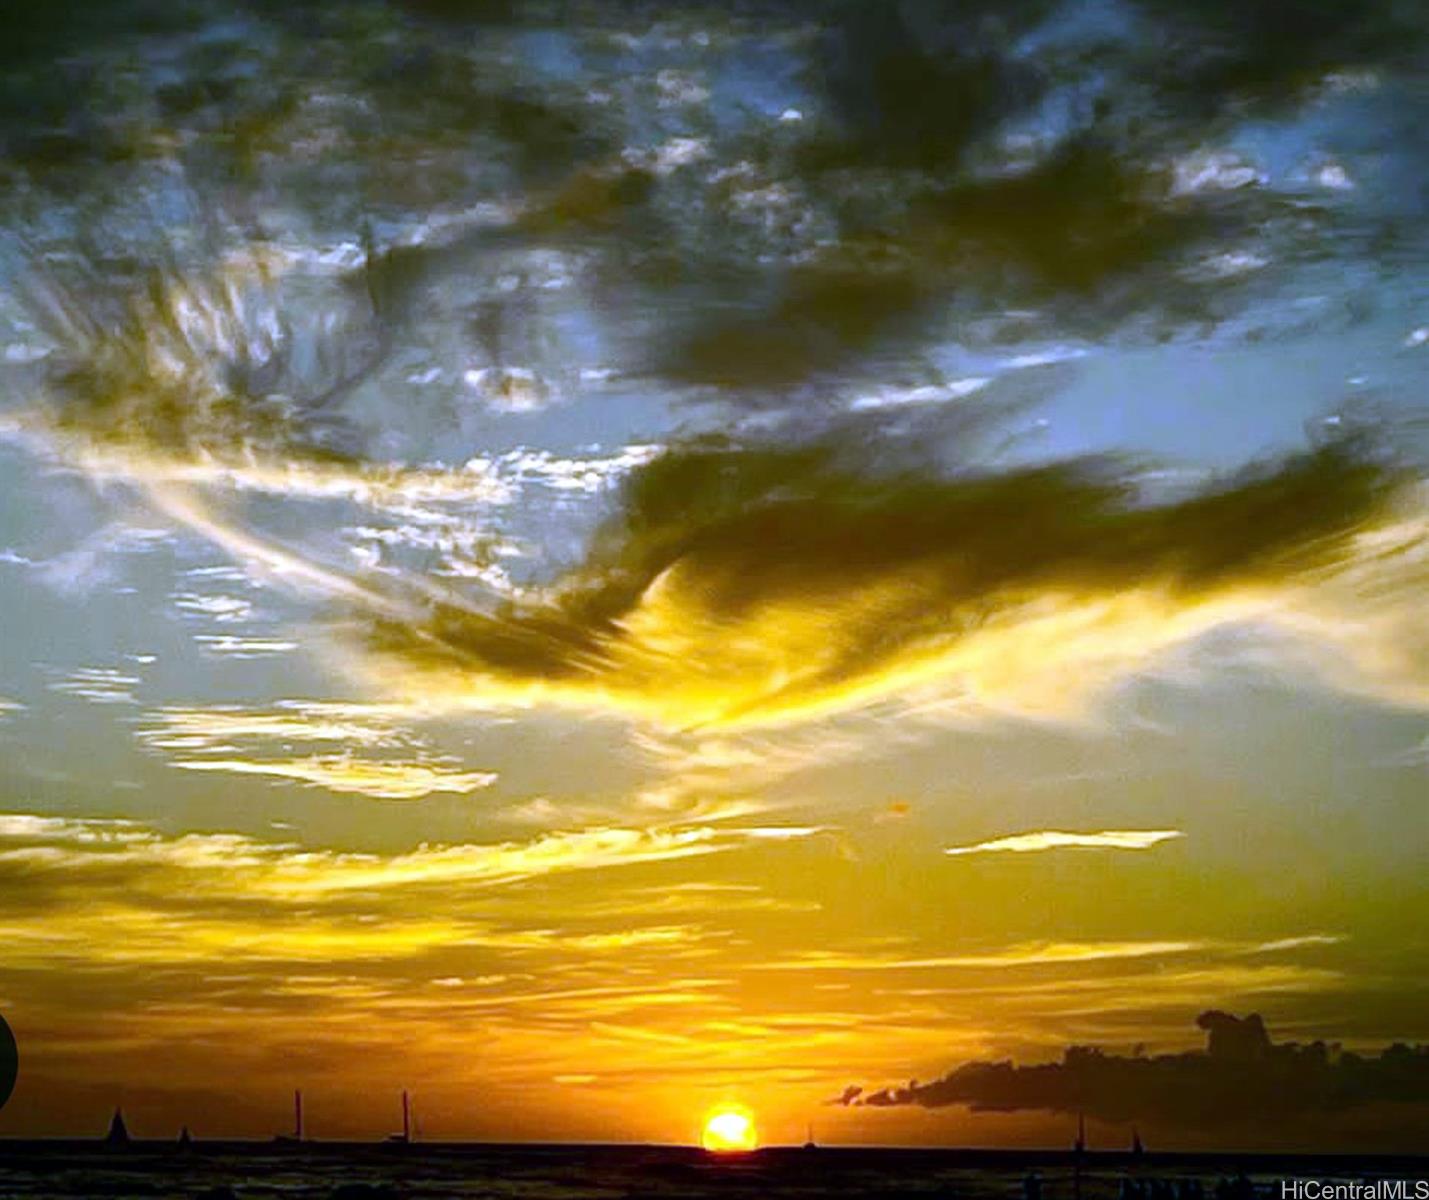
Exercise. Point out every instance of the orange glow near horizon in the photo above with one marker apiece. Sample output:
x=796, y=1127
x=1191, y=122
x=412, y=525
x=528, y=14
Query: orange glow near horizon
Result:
x=729, y=1130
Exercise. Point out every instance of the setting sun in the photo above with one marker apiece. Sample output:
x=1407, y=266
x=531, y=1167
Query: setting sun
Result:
x=728, y=1130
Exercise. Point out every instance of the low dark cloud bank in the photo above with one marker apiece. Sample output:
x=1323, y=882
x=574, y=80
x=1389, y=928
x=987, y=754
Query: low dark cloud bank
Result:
x=1242, y=1076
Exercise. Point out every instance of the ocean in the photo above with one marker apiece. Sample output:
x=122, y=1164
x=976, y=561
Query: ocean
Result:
x=350, y=1171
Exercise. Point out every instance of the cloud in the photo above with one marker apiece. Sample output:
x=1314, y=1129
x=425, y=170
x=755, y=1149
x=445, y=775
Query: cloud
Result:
x=205, y=739
x=224, y=610
x=1053, y=839
x=1153, y=985
x=695, y=897
x=232, y=865
x=32, y=826
x=86, y=893
x=233, y=646
x=382, y=780
x=1052, y=955
x=1029, y=954
x=990, y=197
x=1242, y=1079
x=707, y=775
x=756, y=585
x=220, y=727
x=98, y=685
x=1296, y=943
x=745, y=583
x=197, y=380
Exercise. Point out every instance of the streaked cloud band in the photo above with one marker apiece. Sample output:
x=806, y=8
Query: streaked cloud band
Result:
x=1056, y=839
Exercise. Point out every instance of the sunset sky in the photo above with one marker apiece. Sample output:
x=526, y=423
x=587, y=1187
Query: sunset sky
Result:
x=594, y=568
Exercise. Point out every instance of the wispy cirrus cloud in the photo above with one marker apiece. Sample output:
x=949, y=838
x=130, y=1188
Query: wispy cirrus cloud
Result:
x=98, y=685
x=101, y=893
x=395, y=763
x=1149, y=984
x=378, y=778
x=1056, y=839
x=1298, y=942
x=232, y=865
x=235, y=646
x=217, y=727
x=1042, y=954
x=1031, y=954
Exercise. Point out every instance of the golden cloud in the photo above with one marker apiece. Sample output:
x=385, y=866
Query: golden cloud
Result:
x=1032, y=954
x=95, y=892
x=382, y=780
x=206, y=739
x=220, y=865
x=744, y=587
x=1055, y=839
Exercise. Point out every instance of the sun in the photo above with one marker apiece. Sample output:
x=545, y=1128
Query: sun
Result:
x=729, y=1129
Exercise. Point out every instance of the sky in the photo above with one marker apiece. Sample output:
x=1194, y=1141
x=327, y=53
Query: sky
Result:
x=592, y=564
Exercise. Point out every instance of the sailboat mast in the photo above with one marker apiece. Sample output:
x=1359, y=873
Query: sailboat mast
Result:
x=298, y=1113
x=406, y=1118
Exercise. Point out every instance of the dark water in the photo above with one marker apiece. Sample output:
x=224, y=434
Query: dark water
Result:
x=220, y=1171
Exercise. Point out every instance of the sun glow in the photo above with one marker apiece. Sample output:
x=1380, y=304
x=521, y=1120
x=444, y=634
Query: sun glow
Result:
x=729, y=1130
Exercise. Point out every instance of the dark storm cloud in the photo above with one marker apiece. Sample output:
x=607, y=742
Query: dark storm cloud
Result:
x=1241, y=1076
x=910, y=159
x=1264, y=51
x=1086, y=229
x=922, y=79
x=917, y=208
x=913, y=84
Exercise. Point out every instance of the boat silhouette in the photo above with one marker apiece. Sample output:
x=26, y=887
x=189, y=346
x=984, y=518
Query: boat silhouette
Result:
x=405, y=1137
x=296, y=1137
x=118, y=1134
